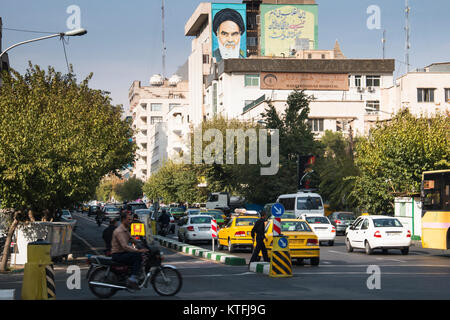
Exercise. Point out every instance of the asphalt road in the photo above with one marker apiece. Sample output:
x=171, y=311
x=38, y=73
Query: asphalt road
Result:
x=423, y=274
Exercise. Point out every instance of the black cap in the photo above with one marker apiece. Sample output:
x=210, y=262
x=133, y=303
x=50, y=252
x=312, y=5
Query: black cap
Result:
x=228, y=15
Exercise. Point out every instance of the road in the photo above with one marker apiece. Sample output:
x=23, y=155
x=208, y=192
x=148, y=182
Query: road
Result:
x=423, y=274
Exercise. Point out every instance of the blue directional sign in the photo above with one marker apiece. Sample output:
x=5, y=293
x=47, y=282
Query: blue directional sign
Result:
x=283, y=243
x=277, y=210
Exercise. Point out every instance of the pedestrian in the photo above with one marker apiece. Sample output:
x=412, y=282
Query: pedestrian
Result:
x=108, y=234
x=258, y=231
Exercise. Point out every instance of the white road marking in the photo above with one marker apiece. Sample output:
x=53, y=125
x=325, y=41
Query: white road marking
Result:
x=86, y=243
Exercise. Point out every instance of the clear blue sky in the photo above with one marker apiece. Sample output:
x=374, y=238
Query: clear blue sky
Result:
x=124, y=37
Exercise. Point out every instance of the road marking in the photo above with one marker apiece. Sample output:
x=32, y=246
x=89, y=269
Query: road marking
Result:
x=89, y=219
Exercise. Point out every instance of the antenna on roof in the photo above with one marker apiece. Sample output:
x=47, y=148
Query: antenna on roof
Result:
x=407, y=29
x=384, y=43
x=163, y=43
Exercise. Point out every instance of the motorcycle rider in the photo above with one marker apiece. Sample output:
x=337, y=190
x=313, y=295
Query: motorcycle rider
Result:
x=122, y=252
x=164, y=220
x=108, y=234
x=98, y=216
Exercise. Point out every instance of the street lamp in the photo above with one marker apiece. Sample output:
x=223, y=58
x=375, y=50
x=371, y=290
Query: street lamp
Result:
x=72, y=33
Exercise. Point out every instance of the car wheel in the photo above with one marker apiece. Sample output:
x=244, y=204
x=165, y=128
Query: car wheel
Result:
x=180, y=239
x=348, y=245
x=315, y=261
x=219, y=246
x=369, y=250
x=405, y=251
x=331, y=243
x=298, y=262
x=230, y=246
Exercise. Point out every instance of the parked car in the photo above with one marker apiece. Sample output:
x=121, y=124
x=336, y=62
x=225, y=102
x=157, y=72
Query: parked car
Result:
x=216, y=214
x=303, y=242
x=341, y=220
x=192, y=211
x=378, y=232
x=322, y=227
x=194, y=228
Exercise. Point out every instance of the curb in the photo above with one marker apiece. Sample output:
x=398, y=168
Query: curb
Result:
x=260, y=267
x=7, y=294
x=201, y=252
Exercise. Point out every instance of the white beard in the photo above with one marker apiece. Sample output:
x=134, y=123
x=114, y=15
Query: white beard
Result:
x=230, y=53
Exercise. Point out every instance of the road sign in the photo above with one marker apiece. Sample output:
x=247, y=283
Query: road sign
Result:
x=283, y=243
x=280, y=260
x=277, y=210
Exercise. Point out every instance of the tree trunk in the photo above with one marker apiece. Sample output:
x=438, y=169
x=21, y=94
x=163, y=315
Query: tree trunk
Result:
x=5, y=255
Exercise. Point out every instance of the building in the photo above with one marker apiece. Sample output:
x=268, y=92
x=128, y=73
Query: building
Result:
x=424, y=91
x=161, y=119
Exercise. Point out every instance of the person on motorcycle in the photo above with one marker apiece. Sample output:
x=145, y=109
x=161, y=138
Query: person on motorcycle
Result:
x=164, y=221
x=108, y=234
x=98, y=216
x=122, y=252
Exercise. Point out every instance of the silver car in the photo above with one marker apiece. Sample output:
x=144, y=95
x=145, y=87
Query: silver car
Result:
x=194, y=228
x=341, y=220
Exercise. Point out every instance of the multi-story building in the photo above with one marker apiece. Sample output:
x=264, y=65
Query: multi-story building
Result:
x=161, y=119
x=4, y=60
x=424, y=91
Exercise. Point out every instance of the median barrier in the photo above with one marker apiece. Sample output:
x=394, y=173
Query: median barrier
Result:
x=201, y=252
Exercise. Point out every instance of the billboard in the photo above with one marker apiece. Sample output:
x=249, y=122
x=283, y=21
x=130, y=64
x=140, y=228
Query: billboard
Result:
x=288, y=27
x=229, y=26
x=304, y=81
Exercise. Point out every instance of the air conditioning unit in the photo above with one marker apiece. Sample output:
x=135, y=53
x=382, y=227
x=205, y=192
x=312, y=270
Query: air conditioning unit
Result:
x=360, y=89
x=371, y=89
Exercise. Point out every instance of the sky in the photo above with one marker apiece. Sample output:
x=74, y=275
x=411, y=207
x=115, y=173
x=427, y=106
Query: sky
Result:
x=124, y=41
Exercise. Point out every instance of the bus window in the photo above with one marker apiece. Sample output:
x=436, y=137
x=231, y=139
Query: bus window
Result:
x=288, y=203
x=309, y=203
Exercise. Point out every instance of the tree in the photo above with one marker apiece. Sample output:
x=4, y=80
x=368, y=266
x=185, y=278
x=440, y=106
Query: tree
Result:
x=58, y=138
x=391, y=160
x=296, y=139
x=334, y=166
x=129, y=190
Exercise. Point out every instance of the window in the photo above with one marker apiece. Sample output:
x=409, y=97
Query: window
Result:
x=288, y=203
x=316, y=125
x=247, y=102
x=372, y=81
x=156, y=107
x=357, y=81
x=244, y=222
x=252, y=41
x=309, y=203
x=318, y=220
x=144, y=106
x=373, y=106
x=252, y=80
x=447, y=95
x=381, y=223
x=365, y=225
x=425, y=95
x=205, y=59
x=323, y=56
x=154, y=120
x=309, y=56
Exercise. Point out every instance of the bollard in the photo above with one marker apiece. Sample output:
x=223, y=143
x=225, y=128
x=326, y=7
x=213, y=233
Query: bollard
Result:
x=38, y=279
x=280, y=260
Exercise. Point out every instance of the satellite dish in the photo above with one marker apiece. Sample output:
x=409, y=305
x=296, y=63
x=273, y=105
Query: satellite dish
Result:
x=174, y=80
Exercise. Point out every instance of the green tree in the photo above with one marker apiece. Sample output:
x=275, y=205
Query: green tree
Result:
x=391, y=160
x=334, y=165
x=58, y=138
x=129, y=190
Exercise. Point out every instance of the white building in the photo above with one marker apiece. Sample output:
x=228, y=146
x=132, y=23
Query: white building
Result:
x=160, y=117
x=424, y=91
x=237, y=91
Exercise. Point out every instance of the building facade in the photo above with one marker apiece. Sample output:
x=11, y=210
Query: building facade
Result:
x=161, y=121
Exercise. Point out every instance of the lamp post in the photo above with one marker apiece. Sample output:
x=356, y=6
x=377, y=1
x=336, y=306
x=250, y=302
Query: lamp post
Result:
x=76, y=32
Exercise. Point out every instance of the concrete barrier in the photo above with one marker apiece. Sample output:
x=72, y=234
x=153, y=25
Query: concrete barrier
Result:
x=201, y=252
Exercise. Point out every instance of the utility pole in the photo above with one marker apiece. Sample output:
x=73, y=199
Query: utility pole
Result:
x=407, y=29
x=384, y=44
x=163, y=43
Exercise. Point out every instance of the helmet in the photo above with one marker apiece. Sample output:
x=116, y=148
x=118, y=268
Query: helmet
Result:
x=163, y=210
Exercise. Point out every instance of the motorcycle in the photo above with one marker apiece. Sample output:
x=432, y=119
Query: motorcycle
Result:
x=99, y=220
x=106, y=277
x=164, y=229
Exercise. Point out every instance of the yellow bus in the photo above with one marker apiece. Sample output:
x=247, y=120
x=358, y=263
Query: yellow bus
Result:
x=435, y=194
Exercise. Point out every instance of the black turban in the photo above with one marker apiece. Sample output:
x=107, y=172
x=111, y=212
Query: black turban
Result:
x=228, y=15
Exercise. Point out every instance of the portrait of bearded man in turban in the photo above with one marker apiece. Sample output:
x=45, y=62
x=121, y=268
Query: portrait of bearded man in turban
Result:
x=228, y=26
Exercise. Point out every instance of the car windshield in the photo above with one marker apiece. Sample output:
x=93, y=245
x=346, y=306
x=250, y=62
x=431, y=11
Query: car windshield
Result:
x=200, y=220
x=346, y=216
x=317, y=220
x=294, y=226
x=138, y=206
x=245, y=221
x=66, y=213
x=380, y=223
x=176, y=210
x=309, y=203
x=215, y=214
x=111, y=210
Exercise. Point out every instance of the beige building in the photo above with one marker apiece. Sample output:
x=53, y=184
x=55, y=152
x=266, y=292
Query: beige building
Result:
x=424, y=91
x=160, y=117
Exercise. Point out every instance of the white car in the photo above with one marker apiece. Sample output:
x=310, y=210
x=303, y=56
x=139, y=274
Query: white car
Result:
x=322, y=227
x=194, y=227
x=378, y=232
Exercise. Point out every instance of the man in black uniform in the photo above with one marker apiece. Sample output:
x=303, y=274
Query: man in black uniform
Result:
x=258, y=229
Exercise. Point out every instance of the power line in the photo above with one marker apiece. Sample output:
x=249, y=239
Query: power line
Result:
x=31, y=31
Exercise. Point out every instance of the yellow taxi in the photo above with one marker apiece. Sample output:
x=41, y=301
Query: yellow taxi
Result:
x=303, y=242
x=237, y=232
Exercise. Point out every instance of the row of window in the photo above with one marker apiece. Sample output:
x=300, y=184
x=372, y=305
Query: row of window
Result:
x=159, y=106
x=371, y=81
x=427, y=94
